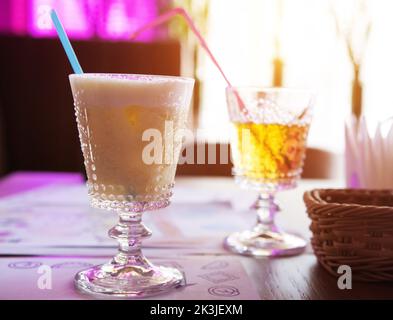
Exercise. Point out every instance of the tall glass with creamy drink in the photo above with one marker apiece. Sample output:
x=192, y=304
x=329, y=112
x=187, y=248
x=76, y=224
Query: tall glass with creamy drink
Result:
x=128, y=127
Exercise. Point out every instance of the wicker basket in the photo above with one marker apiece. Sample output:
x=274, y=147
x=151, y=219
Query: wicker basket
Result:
x=354, y=228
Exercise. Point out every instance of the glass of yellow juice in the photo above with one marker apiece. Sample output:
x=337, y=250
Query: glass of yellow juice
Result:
x=268, y=144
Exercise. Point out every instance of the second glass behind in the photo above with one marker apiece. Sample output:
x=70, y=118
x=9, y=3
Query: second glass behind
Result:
x=268, y=144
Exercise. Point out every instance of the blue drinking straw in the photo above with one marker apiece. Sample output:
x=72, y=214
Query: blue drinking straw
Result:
x=66, y=43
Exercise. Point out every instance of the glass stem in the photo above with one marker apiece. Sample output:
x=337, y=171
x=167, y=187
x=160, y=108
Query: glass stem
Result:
x=266, y=209
x=129, y=232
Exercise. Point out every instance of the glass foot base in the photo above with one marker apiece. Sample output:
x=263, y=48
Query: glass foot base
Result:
x=264, y=243
x=128, y=281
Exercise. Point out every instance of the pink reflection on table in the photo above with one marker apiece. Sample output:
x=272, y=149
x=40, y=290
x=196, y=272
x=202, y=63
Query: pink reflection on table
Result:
x=22, y=181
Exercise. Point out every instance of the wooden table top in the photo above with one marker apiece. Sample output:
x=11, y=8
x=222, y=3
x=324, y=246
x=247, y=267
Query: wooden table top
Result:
x=297, y=277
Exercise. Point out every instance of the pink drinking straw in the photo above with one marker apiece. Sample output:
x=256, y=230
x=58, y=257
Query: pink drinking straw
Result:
x=167, y=16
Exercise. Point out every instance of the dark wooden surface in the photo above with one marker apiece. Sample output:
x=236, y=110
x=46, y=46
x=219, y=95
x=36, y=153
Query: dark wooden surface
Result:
x=301, y=277
x=297, y=277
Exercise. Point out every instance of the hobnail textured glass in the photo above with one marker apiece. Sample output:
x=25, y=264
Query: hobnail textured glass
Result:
x=129, y=273
x=268, y=157
x=116, y=201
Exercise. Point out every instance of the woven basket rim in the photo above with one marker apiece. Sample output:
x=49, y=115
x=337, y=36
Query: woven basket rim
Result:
x=314, y=196
x=353, y=234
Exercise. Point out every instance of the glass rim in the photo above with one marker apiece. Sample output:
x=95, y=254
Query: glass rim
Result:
x=131, y=76
x=270, y=89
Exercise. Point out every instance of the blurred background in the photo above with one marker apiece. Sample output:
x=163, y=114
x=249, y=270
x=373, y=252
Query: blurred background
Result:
x=340, y=49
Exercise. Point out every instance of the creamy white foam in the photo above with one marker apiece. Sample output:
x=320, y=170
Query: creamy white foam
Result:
x=119, y=90
x=113, y=112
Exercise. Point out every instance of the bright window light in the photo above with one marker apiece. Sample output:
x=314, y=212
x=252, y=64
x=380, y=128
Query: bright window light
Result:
x=241, y=34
